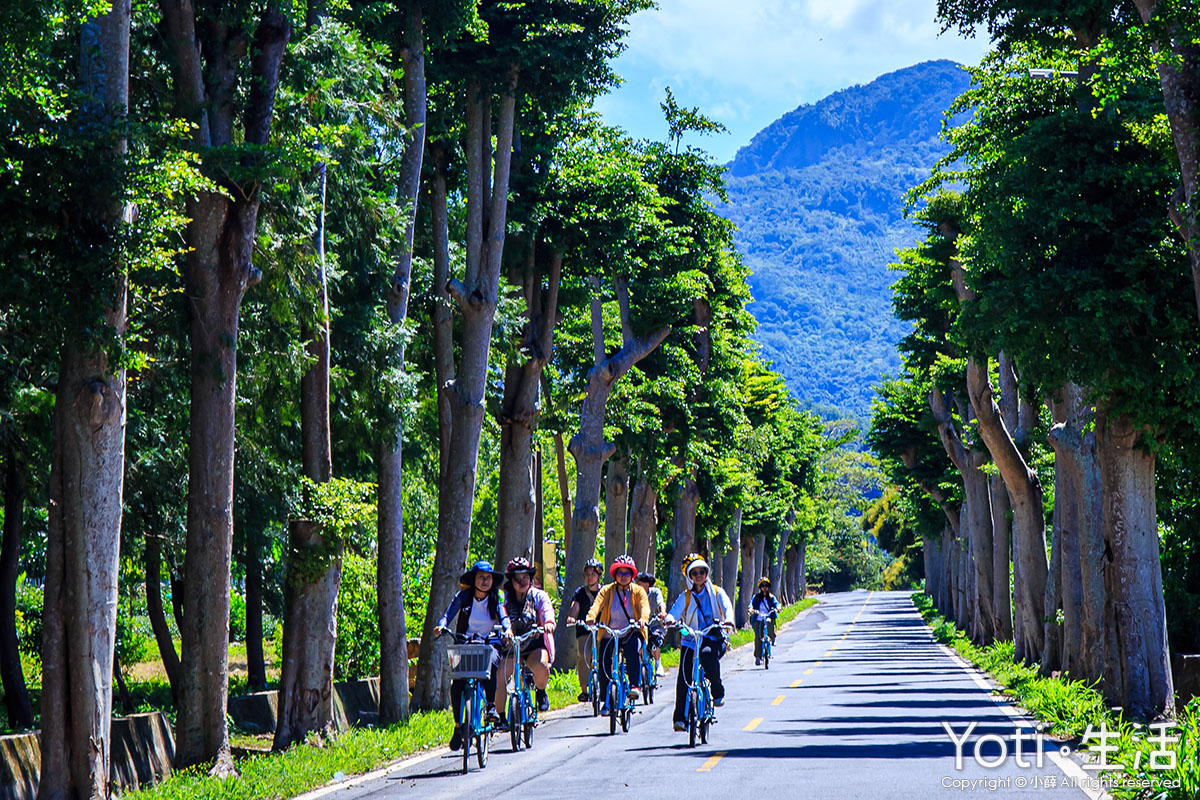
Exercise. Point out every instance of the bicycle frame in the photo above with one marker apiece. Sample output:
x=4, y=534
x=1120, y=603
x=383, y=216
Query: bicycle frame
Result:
x=699, y=696
x=620, y=705
x=766, y=638
x=522, y=715
x=474, y=702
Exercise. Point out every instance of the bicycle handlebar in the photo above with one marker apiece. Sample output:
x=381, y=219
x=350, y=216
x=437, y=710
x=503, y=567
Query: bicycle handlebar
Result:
x=684, y=630
x=534, y=631
x=633, y=626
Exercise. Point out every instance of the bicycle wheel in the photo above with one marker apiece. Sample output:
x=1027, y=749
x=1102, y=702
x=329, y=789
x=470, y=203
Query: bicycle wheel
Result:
x=649, y=688
x=693, y=701
x=515, y=718
x=704, y=731
x=626, y=713
x=529, y=726
x=481, y=747
x=612, y=708
x=468, y=724
x=766, y=653
x=594, y=691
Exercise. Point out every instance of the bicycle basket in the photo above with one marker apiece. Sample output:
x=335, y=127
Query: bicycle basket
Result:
x=470, y=660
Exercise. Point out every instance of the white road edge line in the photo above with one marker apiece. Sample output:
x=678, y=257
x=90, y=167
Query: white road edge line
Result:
x=1084, y=782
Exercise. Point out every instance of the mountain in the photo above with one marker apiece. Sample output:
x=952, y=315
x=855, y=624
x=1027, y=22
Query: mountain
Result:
x=818, y=198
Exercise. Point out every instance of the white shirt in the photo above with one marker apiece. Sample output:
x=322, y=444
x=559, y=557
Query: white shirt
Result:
x=481, y=622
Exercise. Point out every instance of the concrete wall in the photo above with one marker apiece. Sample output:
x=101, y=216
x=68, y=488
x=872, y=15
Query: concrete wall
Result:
x=355, y=704
x=142, y=751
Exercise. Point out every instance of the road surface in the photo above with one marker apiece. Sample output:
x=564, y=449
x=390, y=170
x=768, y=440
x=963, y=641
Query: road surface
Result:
x=852, y=707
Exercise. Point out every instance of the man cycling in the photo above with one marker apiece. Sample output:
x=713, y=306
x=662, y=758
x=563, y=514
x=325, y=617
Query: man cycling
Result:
x=528, y=607
x=700, y=605
x=475, y=611
x=763, y=603
x=657, y=607
x=619, y=605
x=581, y=603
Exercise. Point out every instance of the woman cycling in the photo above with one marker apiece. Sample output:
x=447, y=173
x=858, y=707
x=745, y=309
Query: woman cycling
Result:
x=763, y=608
x=528, y=607
x=475, y=611
x=619, y=605
x=700, y=605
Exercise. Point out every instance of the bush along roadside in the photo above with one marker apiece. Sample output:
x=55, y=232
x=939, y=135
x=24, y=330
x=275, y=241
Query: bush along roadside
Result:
x=1143, y=764
x=670, y=658
x=309, y=766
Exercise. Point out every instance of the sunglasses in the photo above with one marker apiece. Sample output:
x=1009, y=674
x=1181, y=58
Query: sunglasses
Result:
x=699, y=571
x=623, y=573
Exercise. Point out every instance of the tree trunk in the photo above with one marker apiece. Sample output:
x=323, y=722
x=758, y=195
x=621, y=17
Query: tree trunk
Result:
x=539, y=516
x=309, y=633
x=683, y=535
x=564, y=493
x=947, y=601
x=930, y=552
x=310, y=627
x=745, y=582
x=16, y=695
x=590, y=448
x=1131, y=532
x=1001, y=558
x=389, y=567
x=616, y=507
x=158, y=617
x=732, y=550
x=218, y=271
x=801, y=575
x=776, y=569
x=87, y=473
x=792, y=557
x=1052, y=644
x=256, y=666
x=520, y=409
x=760, y=557
x=1179, y=77
x=476, y=298
x=644, y=523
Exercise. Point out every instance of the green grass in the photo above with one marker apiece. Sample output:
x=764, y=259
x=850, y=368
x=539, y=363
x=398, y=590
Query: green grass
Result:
x=1069, y=707
x=670, y=658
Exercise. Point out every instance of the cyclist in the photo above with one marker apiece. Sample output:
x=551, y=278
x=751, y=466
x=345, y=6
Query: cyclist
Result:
x=698, y=606
x=764, y=603
x=476, y=610
x=581, y=603
x=618, y=605
x=657, y=607
x=528, y=607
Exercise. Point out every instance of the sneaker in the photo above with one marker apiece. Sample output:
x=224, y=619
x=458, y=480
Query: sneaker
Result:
x=456, y=739
x=680, y=727
x=635, y=693
x=583, y=697
x=718, y=701
x=604, y=708
x=758, y=662
x=492, y=715
x=543, y=700
x=660, y=669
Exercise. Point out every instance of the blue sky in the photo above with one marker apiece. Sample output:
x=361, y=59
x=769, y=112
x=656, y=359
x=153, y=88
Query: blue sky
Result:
x=747, y=62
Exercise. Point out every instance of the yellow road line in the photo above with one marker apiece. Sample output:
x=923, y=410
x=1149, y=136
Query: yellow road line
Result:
x=712, y=762
x=754, y=723
x=808, y=671
x=779, y=699
x=819, y=663
x=828, y=653
x=797, y=682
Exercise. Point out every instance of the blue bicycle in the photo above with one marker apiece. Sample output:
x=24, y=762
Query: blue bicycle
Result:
x=764, y=633
x=649, y=675
x=594, y=673
x=699, y=709
x=471, y=660
x=522, y=708
x=620, y=704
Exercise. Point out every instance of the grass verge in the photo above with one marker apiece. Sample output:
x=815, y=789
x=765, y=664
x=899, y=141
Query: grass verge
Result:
x=300, y=769
x=670, y=658
x=1069, y=708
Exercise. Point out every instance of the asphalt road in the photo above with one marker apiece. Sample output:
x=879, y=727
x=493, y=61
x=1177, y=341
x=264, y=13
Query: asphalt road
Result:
x=853, y=706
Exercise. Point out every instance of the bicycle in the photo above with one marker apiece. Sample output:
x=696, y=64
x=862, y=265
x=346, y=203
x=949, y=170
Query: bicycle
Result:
x=620, y=706
x=699, y=709
x=522, y=708
x=766, y=638
x=649, y=676
x=471, y=659
x=594, y=673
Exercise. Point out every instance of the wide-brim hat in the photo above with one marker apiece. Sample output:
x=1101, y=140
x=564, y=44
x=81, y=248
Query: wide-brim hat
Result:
x=468, y=577
x=697, y=562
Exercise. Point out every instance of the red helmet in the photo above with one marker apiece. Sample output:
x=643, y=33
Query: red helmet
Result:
x=519, y=564
x=622, y=562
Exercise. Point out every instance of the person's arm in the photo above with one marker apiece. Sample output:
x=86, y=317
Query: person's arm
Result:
x=505, y=622
x=644, y=608
x=594, y=611
x=451, y=611
x=726, y=606
x=545, y=609
x=676, y=608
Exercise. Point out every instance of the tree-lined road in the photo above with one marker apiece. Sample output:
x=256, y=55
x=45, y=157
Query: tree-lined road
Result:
x=852, y=707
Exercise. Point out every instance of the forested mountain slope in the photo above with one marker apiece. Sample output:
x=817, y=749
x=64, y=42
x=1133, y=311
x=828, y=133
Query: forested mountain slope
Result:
x=818, y=199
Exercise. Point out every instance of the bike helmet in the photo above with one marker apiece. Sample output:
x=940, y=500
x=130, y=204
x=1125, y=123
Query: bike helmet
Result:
x=467, y=579
x=764, y=582
x=518, y=564
x=645, y=577
x=595, y=564
x=693, y=559
x=622, y=562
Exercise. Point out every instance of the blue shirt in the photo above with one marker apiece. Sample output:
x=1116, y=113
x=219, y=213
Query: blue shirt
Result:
x=703, y=608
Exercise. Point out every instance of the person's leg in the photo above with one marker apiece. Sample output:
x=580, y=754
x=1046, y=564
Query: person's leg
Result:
x=456, y=693
x=539, y=664
x=685, y=668
x=606, y=655
x=506, y=672
x=758, y=637
x=489, y=684
x=771, y=629
x=631, y=647
x=711, y=662
x=583, y=662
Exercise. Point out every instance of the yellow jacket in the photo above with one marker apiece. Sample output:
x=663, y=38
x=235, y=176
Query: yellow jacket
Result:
x=600, y=608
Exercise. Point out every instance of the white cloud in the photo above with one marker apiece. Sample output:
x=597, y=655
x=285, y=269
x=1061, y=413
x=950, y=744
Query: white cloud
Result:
x=746, y=62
